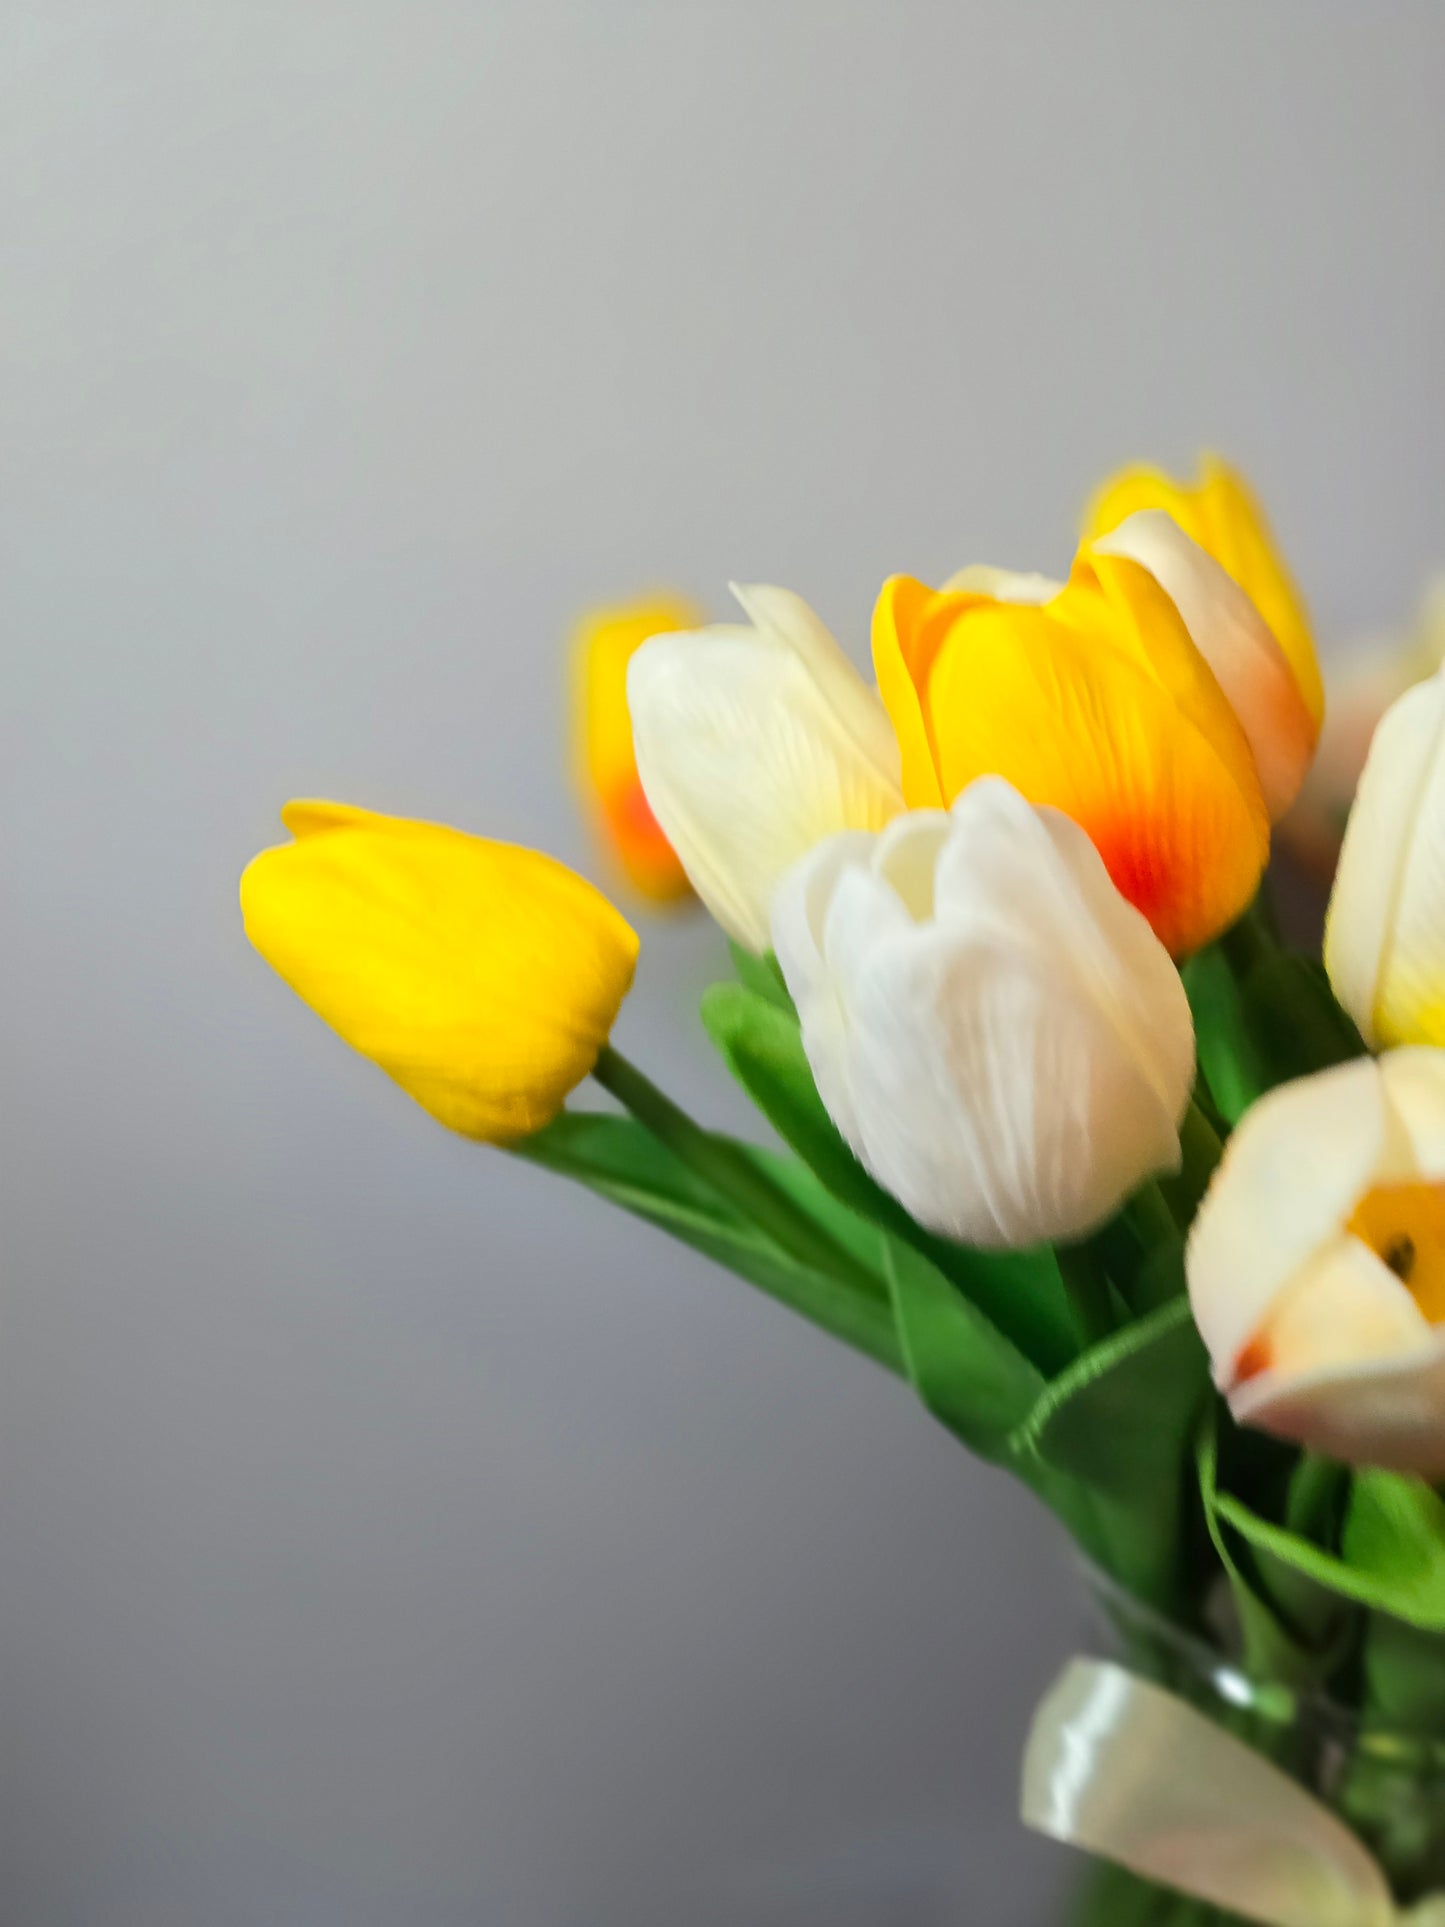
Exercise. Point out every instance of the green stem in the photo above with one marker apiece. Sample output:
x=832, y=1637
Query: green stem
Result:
x=1087, y=1284
x=731, y=1175
x=1312, y=1503
x=1252, y=938
x=1200, y=1150
x=1149, y=1214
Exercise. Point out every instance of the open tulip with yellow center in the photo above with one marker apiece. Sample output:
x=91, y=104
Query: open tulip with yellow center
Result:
x=1092, y=698
x=998, y=1035
x=1385, y=932
x=605, y=642
x=754, y=743
x=1211, y=549
x=1316, y=1263
x=482, y=977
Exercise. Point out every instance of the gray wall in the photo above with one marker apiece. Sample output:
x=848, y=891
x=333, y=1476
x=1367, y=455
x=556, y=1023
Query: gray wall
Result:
x=385, y=1535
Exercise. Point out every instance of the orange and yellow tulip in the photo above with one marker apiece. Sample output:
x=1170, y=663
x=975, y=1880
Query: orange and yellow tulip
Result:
x=605, y=642
x=1096, y=702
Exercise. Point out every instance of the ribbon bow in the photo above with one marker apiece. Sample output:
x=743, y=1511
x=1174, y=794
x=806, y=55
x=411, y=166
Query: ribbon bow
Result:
x=1125, y=1770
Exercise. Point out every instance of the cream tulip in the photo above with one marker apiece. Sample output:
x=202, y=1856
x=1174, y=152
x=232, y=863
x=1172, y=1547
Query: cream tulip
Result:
x=1385, y=933
x=1316, y=1263
x=997, y=1033
x=753, y=744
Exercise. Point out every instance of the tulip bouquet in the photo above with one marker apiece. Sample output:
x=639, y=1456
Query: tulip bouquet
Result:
x=1147, y=1208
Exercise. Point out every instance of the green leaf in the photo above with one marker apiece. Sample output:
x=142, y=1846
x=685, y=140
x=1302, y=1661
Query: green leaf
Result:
x=964, y=1370
x=1118, y=1424
x=761, y=975
x=622, y=1162
x=1019, y=1292
x=1272, y=1649
x=1392, y=1553
x=1275, y=1020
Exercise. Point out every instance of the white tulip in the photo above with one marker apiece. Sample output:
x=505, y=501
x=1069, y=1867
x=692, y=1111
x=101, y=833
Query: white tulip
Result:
x=999, y=1036
x=1385, y=933
x=1316, y=1263
x=753, y=744
x=1236, y=642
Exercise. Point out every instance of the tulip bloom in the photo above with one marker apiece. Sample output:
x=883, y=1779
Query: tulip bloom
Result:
x=1220, y=513
x=998, y=1035
x=1385, y=932
x=1316, y=1263
x=604, y=644
x=1095, y=702
x=483, y=978
x=754, y=743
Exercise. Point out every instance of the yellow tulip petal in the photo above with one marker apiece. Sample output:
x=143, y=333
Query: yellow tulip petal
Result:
x=1221, y=514
x=482, y=977
x=604, y=644
x=1236, y=643
x=902, y=675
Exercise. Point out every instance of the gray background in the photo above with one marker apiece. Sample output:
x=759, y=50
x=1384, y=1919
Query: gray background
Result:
x=386, y=1535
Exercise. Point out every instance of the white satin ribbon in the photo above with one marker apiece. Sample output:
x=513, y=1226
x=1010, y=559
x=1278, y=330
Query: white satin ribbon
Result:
x=1128, y=1771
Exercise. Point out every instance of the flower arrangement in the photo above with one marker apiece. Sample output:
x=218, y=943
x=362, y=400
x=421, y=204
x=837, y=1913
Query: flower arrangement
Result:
x=1147, y=1209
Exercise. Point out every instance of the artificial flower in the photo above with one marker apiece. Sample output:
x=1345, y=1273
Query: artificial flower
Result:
x=999, y=1036
x=1361, y=683
x=482, y=977
x=604, y=644
x=1384, y=943
x=753, y=744
x=1316, y=1263
x=1219, y=512
x=1096, y=702
x=1234, y=639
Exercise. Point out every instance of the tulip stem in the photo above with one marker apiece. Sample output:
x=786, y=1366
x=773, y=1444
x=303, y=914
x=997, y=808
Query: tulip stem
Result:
x=1200, y=1150
x=1252, y=938
x=727, y=1168
x=1086, y=1284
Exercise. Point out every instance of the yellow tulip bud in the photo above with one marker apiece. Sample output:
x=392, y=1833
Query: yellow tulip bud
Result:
x=1221, y=514
x=1092, y=699
x=482, y=977
x=604, y=644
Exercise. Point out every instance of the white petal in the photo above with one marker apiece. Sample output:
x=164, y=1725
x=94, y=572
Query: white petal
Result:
x=1003, y=585
x=1414, y=1083
x=992, y=1100
x=1291, y=1175
x=1344, y=1308
x=800, y=906
x=1035, y=874
x=1385, y=931
x=754, y=745
x=1389, y=1414
x=780, y=614
x=1236, y=642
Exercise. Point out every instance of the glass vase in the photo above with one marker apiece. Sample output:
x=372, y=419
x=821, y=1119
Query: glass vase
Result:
x=1386, y=1784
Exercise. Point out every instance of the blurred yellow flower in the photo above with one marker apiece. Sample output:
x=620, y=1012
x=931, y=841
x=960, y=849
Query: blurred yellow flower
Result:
x=482, y=977
x=604, y=643
x=1221, y=514
x=1094, y=701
